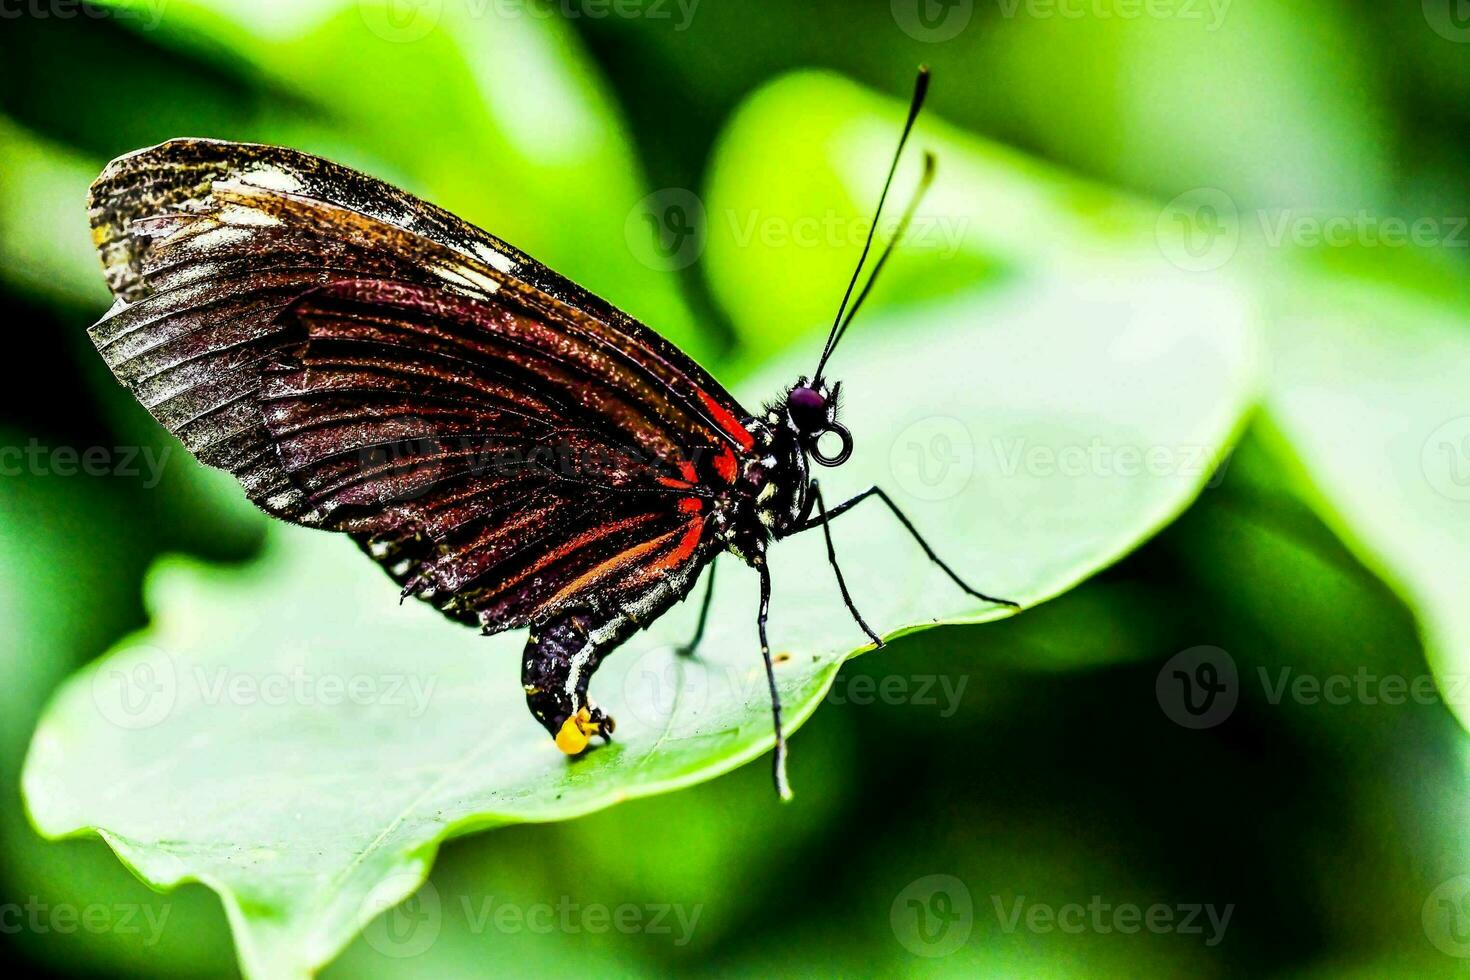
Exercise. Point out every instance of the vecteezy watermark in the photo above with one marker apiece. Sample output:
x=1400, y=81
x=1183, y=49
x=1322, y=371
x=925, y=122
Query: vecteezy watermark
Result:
x=1362, y=686
x=669, y=229
x=1446, y=917
x=412, y=465
x=406, y=927
x=139, y=688
x=1210, y=13
x=143, y=463
x=1200, y=230
x=941, y=691
x=1200, y=687
x=566, y=915
x=933, y=916
x=1098, y=458
x=935, y=21
x=145, y=16
x=943, y=234
x=405, y=21
x=303, y=688
x=1203, y=919
x=662, y=683
x=63, y=918
x=1361, y=228
x=1445, y=459
x=1450, y=19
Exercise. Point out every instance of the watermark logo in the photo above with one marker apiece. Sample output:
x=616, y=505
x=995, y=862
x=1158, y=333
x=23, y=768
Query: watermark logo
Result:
x=666, y=230
x=411, y=463
x=1198, y=688
x=933, y=916
x=663, y=682
x=932, y=21
x=1199, y=231
x=1446, y=917
x=1445, y=459
x=405, y=928
x=933, y=459
x=1450, y=19
x=401, y=21
x=136, y=688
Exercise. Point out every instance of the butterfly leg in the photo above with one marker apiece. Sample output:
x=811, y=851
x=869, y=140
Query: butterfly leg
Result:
x=557, y=665
x=823, y=518
x=687, y=650
x=783, y=789
x=842, y=508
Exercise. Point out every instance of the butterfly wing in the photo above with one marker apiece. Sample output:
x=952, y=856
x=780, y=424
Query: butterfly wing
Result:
x=506, y=444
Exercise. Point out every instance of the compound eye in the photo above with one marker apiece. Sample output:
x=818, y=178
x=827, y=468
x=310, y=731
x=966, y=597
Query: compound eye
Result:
x=808, y=408
x=844, y=445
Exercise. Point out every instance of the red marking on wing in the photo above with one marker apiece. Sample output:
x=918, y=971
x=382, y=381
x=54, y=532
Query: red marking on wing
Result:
x=686, y=547
x=686, y=470
x=583, y=540
x=727, y=421
x=726, y=465
x=612, y=565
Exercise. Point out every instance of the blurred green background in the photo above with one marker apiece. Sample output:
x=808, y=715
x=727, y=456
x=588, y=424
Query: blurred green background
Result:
x=1327, y=829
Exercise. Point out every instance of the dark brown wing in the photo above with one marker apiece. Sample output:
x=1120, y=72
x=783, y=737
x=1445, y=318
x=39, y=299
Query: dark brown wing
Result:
x=365, y=362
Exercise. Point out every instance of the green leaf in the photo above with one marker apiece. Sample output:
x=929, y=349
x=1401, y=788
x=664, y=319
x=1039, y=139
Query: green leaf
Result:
x=1368, y=405
x=797, y=173
x=309, y=809
x=74, y=593
x=44, y=246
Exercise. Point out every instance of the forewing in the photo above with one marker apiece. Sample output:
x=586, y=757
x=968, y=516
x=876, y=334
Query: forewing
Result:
x=358, y=357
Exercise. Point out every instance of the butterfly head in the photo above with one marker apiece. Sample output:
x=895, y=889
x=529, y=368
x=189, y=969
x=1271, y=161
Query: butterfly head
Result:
x=811, y=412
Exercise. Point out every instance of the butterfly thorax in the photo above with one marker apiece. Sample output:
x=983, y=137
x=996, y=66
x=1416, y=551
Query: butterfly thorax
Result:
x=769, y=497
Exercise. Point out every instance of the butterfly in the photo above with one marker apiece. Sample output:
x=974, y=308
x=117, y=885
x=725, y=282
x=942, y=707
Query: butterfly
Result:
x=509, y=447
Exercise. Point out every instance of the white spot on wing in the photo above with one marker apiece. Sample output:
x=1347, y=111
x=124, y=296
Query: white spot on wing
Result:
x=466, y=277
x=234, y=214
x=272, y=179
x=218, y=237
x=494, y=259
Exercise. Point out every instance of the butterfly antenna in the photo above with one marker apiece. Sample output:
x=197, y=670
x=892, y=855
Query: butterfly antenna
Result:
x=921, y=89
x=899, y=232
